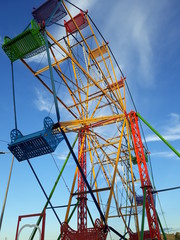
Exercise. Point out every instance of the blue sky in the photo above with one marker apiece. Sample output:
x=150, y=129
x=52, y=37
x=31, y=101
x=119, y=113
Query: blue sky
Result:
x=145, y=39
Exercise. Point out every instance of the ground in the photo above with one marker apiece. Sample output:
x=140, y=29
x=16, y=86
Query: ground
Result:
x=175, y=236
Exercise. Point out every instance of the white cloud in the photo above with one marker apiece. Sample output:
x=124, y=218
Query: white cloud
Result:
x=133, y=30
x=174, y=124
x=134, y=38
x=44, y=101
x=39, y=58
x=171, y=131
x=169, y=137
x=142, y=40
x=165, y=154
x=84, y=5
x=61, y=156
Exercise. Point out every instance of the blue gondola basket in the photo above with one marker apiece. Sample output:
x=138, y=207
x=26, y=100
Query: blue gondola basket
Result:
x=35, y=144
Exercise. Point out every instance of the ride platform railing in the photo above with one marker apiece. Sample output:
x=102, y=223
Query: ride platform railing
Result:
x=134, y=236
x=98, y=232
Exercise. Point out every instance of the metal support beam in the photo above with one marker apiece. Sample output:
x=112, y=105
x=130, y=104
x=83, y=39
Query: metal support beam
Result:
x=94, y=190
x=162, y=230
x=143, y=214
x=69, y=218
x=159, y=135
x=5, y=198
x=53, y=189
x=166, y=189
x=88, y=186
x=144, y=176
x=52, y=78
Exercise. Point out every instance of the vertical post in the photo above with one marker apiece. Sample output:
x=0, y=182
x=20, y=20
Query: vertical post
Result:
x=162, y=230
x=43, y=224
x=51, y=76
x=53, y=189
x=159, y=135
x=88, y=186
x=82, y=196
x=144, y=177
x=19, y=219
x=14, y=99
x=5, y=198
x=82, y=173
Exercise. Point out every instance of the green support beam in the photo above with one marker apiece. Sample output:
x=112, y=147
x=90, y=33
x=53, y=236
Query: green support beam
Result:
x=143, y=214
x=159, y=135
x=162, y=230
x=53, y=189
x=70, y=216
x=90, y=216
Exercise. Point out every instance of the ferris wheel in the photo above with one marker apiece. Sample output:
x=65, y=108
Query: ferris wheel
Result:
x=80, y=71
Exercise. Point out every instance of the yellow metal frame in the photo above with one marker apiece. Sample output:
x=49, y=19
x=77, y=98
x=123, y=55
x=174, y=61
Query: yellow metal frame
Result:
x=85, y=116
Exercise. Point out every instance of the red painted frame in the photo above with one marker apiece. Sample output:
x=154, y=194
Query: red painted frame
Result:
x=144, y=176
x=33, y=215
x=82, y=206
x=79, y=19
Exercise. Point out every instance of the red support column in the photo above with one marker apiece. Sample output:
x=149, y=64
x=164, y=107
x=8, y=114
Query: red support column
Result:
x=82, y=196
x=144, y=176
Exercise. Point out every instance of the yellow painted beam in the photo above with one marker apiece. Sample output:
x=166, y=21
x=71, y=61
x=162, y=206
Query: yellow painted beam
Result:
x=97, y=52
x=92, y=121
x=53, y=64
x=86, y=101
x=107, y=179
x=64, y=79
x=105, y=64
x=114, y=174
x=71, y=195
x=75, y=76
x=93, y=190
x=46, y=86
x=84, y=71
x=73, y=184
x=103, y=145
x=93, y=171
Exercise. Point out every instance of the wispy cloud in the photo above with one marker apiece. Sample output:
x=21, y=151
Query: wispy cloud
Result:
x=84, y=5
x=169, y=137
x=170, y=131
x=44, y=101
x=135, y=29
x=165, y=154
x=174, y=124
x=134, y=37
x=143, y=43
x=62, y=156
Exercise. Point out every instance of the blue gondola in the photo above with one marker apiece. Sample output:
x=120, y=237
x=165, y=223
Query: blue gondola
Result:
x=35, y=144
